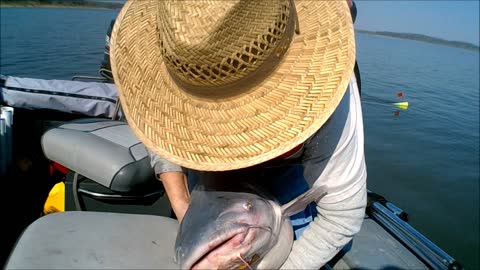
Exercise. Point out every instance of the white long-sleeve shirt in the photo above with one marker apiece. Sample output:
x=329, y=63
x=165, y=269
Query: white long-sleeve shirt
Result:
x=334, y=157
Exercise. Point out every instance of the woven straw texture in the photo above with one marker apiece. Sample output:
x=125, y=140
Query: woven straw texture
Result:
x=224, y=85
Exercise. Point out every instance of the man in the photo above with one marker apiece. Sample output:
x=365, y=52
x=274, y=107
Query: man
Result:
x=265, y=86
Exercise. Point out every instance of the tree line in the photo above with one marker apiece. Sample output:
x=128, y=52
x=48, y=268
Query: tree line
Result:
x=72, y=2
x=90, y=3
x=424, y=38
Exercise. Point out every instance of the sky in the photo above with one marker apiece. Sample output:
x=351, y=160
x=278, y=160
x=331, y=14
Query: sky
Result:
x=451, y=20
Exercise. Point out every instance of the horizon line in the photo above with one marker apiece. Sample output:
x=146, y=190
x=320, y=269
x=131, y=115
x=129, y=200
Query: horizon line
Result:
x=439, y=38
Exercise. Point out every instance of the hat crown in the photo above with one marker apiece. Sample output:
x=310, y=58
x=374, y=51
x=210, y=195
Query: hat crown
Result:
x=214, y=43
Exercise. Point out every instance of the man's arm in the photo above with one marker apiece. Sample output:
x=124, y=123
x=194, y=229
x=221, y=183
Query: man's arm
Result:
x=331, y=230
x=175, y=183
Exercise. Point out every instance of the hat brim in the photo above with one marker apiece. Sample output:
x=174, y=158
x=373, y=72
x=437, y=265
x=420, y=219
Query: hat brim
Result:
x=234, y=132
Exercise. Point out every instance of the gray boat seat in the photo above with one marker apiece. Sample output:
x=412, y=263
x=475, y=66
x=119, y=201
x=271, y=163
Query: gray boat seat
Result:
x=118, y=241
x=94, y=240
x=104, y=151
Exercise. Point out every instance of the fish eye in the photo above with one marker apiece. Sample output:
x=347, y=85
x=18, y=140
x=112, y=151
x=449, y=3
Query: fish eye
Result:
x=247, y=206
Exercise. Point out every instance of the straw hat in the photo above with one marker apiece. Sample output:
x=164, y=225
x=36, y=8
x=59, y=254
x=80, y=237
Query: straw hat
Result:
x=222, y=85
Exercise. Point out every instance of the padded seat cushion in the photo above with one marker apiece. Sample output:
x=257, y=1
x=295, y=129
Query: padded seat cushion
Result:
x=93, y=240
x=104, y=151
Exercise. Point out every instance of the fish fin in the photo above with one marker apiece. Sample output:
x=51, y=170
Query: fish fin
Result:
x=299, y=203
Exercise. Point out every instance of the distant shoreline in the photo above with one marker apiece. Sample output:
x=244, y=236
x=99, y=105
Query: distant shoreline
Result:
x=33, y=4
x=423, y=38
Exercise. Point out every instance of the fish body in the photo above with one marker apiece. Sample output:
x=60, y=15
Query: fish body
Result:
x=236, y=224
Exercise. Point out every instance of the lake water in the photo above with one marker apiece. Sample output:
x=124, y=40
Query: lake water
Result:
x=424, y=159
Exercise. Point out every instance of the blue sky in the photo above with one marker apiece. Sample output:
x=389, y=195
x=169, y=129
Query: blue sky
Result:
x=452, y=20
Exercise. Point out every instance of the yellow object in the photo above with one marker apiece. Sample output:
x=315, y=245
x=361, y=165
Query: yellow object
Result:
x=56, y=199
x=401, y=105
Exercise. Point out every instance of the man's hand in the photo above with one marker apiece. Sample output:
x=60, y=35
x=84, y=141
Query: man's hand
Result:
x=175, y=184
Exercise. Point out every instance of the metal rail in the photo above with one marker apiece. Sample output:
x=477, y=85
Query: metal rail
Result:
x=420, y=245
x=89, y=78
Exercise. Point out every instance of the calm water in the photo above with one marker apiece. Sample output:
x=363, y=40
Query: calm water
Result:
x=424, y=159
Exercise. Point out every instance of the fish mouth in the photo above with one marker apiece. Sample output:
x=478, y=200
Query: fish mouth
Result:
x=220, y=244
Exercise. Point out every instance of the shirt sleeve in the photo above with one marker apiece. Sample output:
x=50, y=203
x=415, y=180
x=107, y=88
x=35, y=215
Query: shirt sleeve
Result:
x=334, y=157
x=161, y=165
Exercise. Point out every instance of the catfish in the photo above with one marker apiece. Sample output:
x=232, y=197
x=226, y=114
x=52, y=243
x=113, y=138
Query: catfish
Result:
x=235, y=223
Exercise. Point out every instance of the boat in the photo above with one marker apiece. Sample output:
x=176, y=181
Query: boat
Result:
x=107, y=210
x=115, y=214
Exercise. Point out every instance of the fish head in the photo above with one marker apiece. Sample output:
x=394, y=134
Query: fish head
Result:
x=227, y=230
